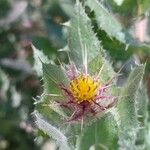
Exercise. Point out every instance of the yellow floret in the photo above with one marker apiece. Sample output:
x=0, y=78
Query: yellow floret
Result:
x=84, y=88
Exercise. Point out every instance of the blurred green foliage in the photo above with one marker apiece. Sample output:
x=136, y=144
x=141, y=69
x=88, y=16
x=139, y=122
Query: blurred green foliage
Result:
x=4, y=7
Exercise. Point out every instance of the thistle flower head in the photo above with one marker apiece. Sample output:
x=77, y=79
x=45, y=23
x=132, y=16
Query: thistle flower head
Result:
x=84, y=88
x=84, y=94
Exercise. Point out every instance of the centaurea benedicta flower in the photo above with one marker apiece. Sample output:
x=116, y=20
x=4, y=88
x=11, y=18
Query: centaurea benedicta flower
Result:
x=85, y=92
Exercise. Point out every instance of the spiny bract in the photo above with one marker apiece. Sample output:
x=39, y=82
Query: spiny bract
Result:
x=84, y=94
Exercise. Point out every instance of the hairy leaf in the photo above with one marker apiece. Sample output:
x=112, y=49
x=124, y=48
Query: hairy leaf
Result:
x=37, y=54
x=142, y=105
x=53, y=76
x=82, y=42
x=100, y=63
x=127, y=109
x=107, y=22
x=52, y=131
x=101, y=134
